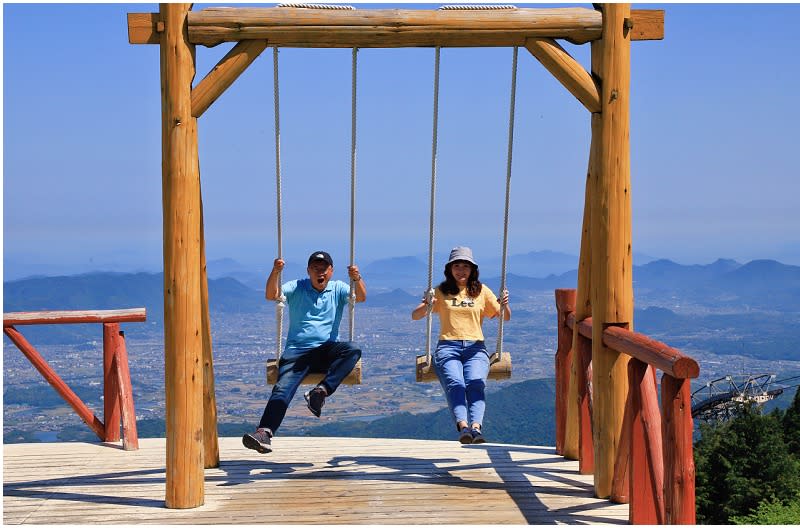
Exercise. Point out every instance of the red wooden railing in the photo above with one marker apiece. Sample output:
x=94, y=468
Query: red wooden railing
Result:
x=654, y=469
x=117, y=393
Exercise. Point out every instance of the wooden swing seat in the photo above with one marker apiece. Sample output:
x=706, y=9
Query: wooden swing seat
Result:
x=499, y=369
x=313, y=378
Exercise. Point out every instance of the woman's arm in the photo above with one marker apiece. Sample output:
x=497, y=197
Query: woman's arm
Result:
x=422, y=309
x=503, y=300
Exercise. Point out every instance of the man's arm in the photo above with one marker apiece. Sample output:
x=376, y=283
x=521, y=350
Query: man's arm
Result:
x=358, y=283
x=273, y=289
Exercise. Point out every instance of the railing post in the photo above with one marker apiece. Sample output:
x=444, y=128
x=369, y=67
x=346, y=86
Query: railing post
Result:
x=646, y=462
x=584, y=380
x=679, y=485
x=620, y=484
x=111, y=399
x=130, y=435
x=565, y=304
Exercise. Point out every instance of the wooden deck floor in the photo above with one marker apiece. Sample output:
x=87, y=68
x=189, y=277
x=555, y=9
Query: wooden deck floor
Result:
x=305, y=480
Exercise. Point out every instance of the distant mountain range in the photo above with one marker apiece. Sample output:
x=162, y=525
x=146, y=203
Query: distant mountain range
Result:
x=411, y=272
x=750, y=292
x=759, y=283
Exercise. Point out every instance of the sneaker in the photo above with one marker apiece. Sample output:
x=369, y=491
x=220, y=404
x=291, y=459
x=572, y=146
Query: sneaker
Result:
x=465, y=436
x=477, y=436
x=259, y=441
x=315, y=399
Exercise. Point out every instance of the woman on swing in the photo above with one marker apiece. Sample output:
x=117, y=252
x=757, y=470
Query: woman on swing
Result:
x=461, y=360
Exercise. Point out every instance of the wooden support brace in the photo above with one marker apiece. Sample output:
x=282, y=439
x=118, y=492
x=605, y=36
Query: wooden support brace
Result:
x=566, y=70
x=222, y=76
x=56, y=382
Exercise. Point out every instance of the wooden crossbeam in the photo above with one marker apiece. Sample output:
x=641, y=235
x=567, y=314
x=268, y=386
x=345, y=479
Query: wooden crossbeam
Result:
x=389, y=28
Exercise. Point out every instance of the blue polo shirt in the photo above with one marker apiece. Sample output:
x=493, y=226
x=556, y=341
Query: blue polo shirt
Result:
x=314, y=316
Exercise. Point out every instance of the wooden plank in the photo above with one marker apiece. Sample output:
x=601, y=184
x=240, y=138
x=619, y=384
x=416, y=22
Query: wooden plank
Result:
x=130, y=315
x=366, y=481
x=392, y=27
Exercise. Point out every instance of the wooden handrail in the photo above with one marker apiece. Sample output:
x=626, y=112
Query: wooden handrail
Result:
x=117, y=391
x=130, y=315
x=654, y=468
x=643, y=348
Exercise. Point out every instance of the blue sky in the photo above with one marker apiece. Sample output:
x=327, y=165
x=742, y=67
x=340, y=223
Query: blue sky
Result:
x=713, y=135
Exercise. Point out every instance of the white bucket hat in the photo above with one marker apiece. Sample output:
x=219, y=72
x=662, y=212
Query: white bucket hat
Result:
x=461, y=253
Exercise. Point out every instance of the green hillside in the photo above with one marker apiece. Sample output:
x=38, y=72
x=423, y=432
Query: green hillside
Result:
x=522, y=413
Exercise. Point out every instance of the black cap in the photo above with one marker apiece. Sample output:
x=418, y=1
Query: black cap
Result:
x=320, y=255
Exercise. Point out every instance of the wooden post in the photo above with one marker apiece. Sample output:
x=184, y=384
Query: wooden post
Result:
x=583, y=354
x=620, y=485
x=679, y=491
x=111, y=398
x=646, y=462
x=182, y=292
x=210, y=439
x=565, y=304
x=611, y=279
x=130, y=435
x=583, y=305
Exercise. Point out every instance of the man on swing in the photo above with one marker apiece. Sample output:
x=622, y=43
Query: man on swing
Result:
x=315, y=311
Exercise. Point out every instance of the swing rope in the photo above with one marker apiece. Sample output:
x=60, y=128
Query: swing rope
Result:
x=352, y=307
x=280, y=302
x=503, y=291
x=429, y=294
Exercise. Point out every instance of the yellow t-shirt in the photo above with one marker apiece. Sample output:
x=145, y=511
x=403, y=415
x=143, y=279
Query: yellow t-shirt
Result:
x=461, y=316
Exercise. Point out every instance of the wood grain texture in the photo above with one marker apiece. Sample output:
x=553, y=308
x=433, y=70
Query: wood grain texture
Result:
x=566, y=70
x=611, y=278
x=365, y=481
x=130, y=315
x=183, y=347
x=392, y=27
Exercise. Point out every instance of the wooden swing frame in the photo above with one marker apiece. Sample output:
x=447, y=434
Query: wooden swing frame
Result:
x=605, y=256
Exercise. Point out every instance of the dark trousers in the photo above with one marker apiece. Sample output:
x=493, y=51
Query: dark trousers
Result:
x=335, y=358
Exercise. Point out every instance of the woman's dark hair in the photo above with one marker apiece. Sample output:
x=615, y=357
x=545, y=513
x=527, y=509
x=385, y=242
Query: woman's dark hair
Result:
x=449, y=286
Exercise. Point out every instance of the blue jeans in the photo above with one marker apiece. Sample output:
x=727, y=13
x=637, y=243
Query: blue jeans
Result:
x=462, y=368
x=335, y=358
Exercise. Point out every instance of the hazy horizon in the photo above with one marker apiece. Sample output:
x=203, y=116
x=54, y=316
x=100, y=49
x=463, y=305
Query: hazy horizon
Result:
x=22, y=267
x=713, y=169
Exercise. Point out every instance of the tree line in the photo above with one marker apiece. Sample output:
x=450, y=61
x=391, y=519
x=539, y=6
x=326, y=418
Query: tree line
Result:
x=748, y=468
